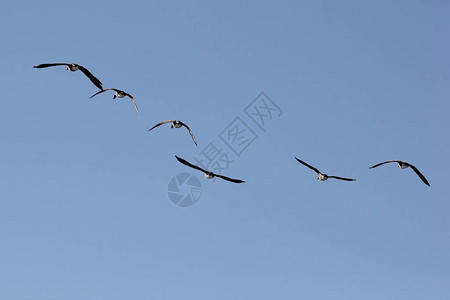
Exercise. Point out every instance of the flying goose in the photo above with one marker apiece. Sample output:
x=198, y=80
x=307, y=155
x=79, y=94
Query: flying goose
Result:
x=404, y=165
x=176, y=124
x=208, y=174
x=323, y=176
x=73, y=68
x=119, y=94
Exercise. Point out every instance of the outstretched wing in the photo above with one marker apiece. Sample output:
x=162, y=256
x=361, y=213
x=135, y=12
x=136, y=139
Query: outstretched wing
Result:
x=89, y=75
x=190, y=132
x=342, y=178
x=135, y=106
x=159, y=124
x=126, y=94
x=311, y=167
x=50, y=65
x=385, y=162
x=102, y=91
x=420, y=174
x=229, y=179
x=185, y=162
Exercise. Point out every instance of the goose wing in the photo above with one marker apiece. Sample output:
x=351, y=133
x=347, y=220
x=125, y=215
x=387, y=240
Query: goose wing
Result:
x=102, y=91
x=160, y=123
x=190, y=132
x=135, y=107
x=134, y=103
x=185, y=162
x=311, y=167
x=385, y=162
x=419, y=174
x=342, y=178
x=50, y=65
x=229, y=179
x=89, y=75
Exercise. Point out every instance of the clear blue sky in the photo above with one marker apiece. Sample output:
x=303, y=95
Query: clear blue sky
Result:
x=84, y=211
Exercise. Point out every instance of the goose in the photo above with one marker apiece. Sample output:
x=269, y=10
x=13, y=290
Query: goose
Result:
x=119, y=94
x=208, y=174
x=322, y=176
x=73, y=67
x=404, y=165
x=176, y=124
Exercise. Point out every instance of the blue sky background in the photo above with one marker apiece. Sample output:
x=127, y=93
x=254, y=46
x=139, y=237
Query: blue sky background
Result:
x=84, y=211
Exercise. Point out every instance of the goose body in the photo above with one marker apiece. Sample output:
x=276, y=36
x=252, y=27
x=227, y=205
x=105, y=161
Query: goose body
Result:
x=209, y=175
x=322, y=176
x=176, y=124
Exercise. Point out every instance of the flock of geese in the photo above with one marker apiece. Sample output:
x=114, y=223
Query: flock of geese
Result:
x=95, y=81
x=178, y=124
